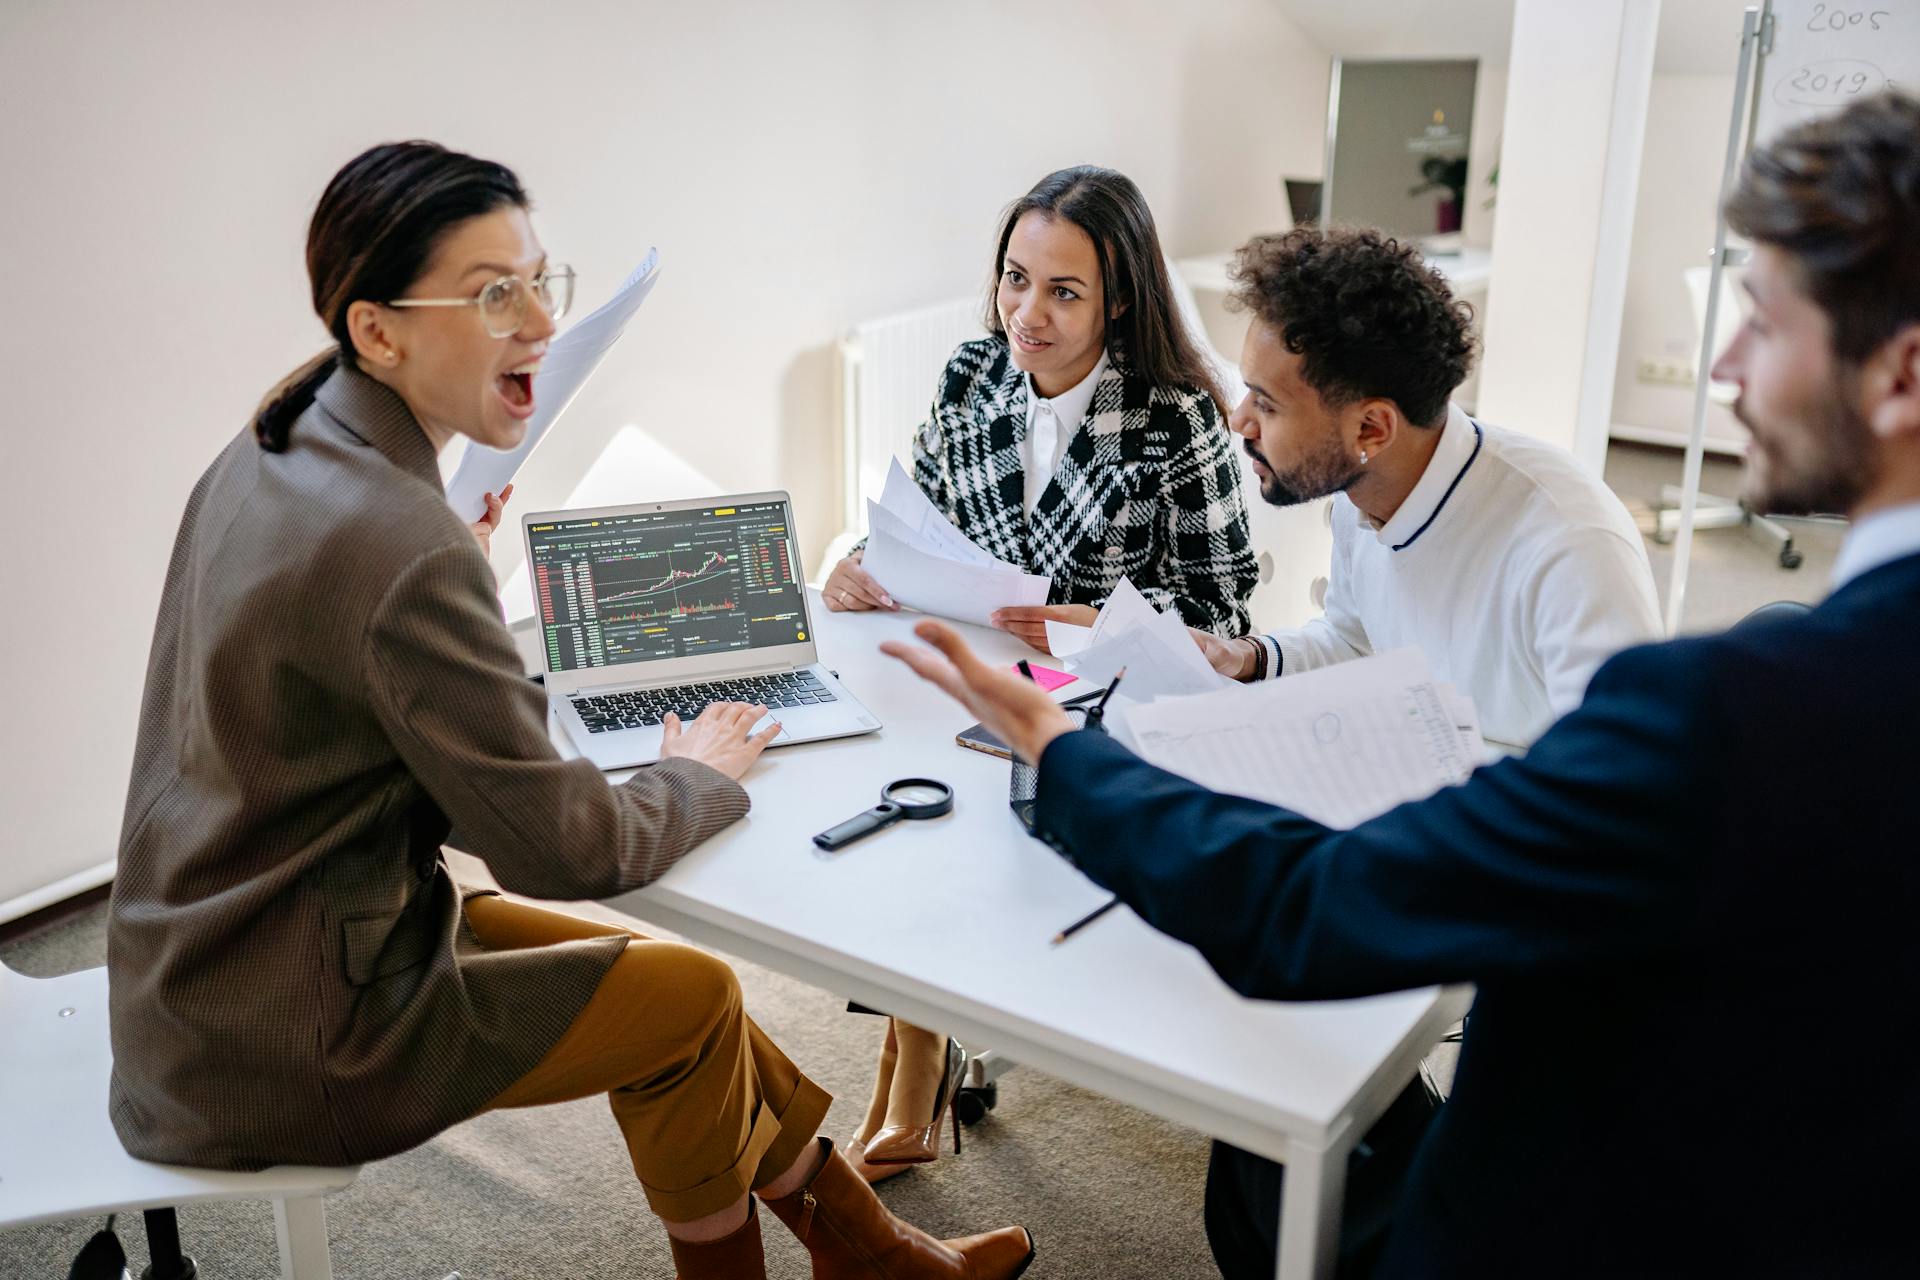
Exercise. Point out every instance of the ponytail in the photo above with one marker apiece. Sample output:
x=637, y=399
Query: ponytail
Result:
x=372, y=235
x=273, y=420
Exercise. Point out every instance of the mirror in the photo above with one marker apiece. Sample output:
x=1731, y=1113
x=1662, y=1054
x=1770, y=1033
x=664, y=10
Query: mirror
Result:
x=1397, y=135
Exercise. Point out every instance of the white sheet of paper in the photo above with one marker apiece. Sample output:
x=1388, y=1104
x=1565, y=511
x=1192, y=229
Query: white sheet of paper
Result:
x=910, y=504
x=571, y=359
x=1341, y=744
x=1064, y=639
x=1466, y=718
x=1125, y=608
x=918, y=578
x=1160, y=658
x=1154, y=668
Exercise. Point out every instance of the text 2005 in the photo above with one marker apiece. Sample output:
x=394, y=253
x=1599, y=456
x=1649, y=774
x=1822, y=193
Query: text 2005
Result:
x=1825, y=18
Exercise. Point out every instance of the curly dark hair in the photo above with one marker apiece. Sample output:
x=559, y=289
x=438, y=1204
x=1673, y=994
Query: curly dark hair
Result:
x=1840, y=196
x=1366, y=315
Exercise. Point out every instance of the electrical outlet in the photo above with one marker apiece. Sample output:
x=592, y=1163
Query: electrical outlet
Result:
x=1664, y=371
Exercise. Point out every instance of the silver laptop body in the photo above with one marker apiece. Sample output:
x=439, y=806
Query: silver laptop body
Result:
x=666, y=606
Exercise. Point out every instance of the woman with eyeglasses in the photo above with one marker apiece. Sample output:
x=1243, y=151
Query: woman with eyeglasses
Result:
x=1083, y=438
x=295, y=976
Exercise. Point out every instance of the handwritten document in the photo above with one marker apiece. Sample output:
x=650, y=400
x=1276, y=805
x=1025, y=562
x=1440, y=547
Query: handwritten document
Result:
x=570, y=360
x=1340, y=745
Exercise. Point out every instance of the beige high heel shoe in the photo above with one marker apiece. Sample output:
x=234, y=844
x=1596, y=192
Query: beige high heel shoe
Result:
x=914, y=1143
x=855, y=1149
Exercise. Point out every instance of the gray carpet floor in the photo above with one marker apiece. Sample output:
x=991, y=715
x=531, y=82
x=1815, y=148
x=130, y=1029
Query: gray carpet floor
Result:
x=1733, y=571
x=1106, y=1190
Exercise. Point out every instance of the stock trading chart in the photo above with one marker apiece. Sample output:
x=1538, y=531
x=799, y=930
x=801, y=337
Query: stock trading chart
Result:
x=665, y=585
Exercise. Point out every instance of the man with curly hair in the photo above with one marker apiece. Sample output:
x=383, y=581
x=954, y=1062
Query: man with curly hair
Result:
x=1514, y=570
x=1687, y=909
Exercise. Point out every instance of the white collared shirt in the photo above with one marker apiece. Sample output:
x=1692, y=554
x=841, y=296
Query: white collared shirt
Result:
x=1051, y=425
x=1881, y=538
x=1511, y=567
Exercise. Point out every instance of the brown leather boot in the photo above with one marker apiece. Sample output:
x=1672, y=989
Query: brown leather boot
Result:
x=736, y=1256
x=852, y=1236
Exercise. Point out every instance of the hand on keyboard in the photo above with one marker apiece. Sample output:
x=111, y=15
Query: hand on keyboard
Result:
x=721, y=737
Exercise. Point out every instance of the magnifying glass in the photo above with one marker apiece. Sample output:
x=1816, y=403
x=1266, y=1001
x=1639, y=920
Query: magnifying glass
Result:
x=911, y=798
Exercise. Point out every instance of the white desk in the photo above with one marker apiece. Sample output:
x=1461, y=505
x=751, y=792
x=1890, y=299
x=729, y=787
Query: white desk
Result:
x=1466, y=272
x=947, y=924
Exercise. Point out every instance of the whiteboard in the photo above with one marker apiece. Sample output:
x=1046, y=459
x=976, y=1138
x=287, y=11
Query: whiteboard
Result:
x=1827, y=54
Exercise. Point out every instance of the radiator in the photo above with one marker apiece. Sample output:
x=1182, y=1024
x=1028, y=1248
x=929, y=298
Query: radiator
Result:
x=889, y=371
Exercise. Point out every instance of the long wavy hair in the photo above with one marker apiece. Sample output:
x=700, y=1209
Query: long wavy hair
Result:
x=1148, y=338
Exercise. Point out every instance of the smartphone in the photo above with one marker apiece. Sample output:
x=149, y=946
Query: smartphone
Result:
x=980, y=738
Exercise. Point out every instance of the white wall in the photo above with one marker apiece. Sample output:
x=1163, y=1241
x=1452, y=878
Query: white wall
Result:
x=1673, y=228
x=1576, y=99
x=801, y=166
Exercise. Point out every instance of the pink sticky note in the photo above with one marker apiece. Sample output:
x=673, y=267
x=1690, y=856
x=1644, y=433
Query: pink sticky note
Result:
x=1047, y=678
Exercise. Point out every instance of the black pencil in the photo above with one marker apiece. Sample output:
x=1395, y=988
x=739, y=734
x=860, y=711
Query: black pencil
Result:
x=1085, y=920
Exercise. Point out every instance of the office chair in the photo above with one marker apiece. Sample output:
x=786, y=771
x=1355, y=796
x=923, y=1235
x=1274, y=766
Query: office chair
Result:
x=1775, y=611
x=62, y=1159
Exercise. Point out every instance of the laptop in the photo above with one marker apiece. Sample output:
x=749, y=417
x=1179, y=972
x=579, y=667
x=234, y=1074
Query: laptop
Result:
x=668, y=606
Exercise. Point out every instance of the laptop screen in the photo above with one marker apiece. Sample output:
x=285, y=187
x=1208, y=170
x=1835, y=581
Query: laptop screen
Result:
x=665, y=584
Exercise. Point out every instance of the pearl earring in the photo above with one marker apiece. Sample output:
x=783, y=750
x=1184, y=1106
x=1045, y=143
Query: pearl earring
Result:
x=1363, y=457
x=390, y=358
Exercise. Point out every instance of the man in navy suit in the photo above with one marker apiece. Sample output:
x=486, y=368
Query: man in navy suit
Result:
x=1691, y=908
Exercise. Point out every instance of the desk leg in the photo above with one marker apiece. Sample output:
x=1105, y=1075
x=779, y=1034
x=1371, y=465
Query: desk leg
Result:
x=1310, y=1213
x=300, y=1225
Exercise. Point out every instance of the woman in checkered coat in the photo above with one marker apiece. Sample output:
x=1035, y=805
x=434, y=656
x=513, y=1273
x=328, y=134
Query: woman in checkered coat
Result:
x=1084, y=439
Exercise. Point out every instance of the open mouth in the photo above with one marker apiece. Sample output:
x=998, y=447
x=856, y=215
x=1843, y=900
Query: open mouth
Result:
x=1026, y=343
x=516, y=389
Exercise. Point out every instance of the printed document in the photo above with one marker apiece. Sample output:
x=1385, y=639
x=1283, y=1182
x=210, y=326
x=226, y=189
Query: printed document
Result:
x=925, y=563
x=1160, y=658
x=571, y=359
x=1340, y=745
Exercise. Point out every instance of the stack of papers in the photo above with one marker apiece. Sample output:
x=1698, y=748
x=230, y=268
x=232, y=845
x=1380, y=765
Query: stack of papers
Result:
x=571, y=359
x=1340, y=745
x=1160, y=658
x=925, y=563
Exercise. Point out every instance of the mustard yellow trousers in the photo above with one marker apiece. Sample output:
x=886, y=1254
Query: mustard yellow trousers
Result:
x=709, y=1106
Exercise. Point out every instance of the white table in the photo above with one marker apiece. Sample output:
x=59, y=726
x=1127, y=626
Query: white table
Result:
x=1467, y=271
x=947, y=923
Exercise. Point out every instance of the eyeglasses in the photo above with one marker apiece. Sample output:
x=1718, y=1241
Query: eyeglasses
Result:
x=503, y=303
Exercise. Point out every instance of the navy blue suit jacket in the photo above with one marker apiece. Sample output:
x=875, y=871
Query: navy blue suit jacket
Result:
x=1691, y=911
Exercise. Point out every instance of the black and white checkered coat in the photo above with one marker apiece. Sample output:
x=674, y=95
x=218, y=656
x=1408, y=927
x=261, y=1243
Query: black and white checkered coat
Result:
x=1149, y=488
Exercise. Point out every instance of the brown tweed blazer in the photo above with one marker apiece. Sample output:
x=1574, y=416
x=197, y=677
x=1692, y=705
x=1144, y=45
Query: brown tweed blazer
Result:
x=330, y=690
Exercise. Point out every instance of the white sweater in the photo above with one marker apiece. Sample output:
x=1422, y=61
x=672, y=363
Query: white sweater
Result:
x=1510, y=567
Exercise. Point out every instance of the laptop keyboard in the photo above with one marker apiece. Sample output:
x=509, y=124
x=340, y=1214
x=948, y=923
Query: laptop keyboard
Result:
x=637, y=708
